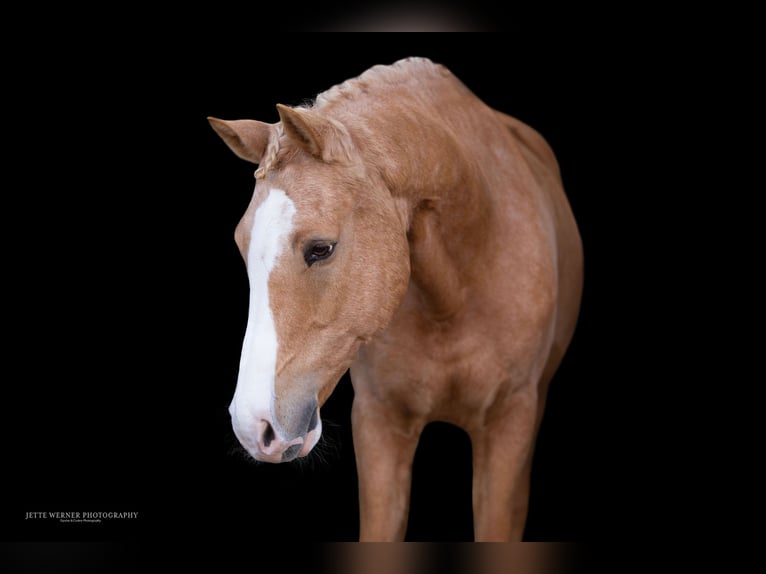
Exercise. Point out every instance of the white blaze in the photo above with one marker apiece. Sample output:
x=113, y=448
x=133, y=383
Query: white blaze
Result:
x=254, y=396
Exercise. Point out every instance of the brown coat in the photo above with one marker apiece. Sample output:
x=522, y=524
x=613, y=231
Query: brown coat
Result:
x=451, y=291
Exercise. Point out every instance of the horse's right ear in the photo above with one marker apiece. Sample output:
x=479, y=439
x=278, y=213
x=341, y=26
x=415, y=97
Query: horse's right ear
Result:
x=246, y=138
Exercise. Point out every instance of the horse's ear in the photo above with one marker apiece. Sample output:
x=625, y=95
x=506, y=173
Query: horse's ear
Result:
x=246, y=138
x=323, y=138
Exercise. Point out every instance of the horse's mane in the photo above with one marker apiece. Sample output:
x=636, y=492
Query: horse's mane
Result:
x=396, y=74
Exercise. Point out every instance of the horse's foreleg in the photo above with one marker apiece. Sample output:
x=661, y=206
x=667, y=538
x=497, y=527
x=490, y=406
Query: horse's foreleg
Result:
x=502, y=452
x=385, y=444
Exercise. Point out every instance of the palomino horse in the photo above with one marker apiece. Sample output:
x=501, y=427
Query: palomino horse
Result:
x=402, y=228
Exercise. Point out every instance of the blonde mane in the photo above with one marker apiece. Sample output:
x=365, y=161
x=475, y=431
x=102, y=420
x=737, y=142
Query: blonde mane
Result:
x=400, y=72
x=272, y=150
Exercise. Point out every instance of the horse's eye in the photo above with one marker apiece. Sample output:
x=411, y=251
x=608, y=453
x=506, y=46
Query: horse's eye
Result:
x=318, y=251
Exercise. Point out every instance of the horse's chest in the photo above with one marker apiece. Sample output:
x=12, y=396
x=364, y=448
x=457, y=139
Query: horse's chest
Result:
x=437, y=372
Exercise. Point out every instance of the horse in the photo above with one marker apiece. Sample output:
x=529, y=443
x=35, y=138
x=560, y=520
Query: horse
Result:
x=402, y=229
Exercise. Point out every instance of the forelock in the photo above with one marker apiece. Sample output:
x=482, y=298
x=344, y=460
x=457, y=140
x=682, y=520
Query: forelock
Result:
x=273, y=148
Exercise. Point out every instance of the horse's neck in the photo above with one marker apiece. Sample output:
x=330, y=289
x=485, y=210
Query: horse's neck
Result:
x=435, y=272
x=425, y=154
x=446, y=211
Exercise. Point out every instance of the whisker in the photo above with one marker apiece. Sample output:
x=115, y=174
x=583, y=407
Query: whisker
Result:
x=234, y=449
x=325, y=452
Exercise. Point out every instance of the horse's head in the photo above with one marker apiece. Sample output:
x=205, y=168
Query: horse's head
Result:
x=327, y=259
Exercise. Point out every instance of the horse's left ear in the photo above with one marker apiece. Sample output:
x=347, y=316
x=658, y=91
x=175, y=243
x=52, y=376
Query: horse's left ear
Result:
x=322, y=137
x=246, y=138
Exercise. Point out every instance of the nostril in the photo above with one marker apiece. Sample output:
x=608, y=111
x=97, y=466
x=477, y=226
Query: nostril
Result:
x=268, y=435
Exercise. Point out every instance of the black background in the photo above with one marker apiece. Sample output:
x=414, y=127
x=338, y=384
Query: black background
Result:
x=127, y=298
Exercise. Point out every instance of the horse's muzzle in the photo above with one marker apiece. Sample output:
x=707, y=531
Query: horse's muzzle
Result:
x=264, y=442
